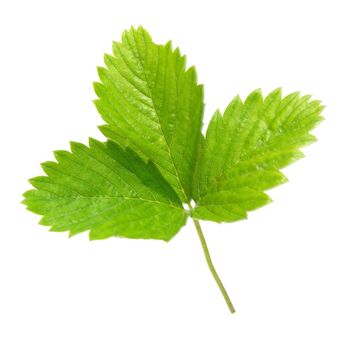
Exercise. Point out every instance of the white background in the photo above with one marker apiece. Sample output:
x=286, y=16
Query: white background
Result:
x=287, y=268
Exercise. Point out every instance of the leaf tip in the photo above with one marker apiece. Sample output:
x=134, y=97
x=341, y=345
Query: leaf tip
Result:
x=75, y=146
x=59, y=154
x=254, y=96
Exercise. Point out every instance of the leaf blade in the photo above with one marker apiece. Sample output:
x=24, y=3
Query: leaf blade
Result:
x=107, y=190
x=246, y=146
x=153, y=105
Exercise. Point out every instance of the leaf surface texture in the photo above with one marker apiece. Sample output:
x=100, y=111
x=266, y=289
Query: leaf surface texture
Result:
x=244, y=150
x=153, y=105
x=107, y=190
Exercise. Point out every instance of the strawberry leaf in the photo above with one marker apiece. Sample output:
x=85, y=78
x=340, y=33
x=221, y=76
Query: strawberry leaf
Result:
x=152, y=105
x=244, y=149
x=156, y=157
x=107, y=190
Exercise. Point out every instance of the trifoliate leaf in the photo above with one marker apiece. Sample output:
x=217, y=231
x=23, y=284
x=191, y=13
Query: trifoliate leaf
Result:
x=156, y=157
x=244, y=149
x=107, y=190
x=152, y=105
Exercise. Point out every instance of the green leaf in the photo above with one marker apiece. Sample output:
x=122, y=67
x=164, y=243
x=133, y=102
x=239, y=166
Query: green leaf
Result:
x=156, y=157
x=107, y=190
x=153, y=105
x=244, y=149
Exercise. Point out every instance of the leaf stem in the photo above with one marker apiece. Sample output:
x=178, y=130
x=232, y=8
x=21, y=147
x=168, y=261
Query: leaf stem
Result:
x=211, y=266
